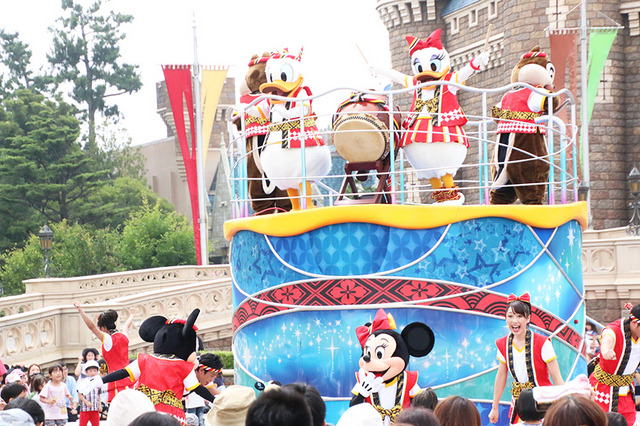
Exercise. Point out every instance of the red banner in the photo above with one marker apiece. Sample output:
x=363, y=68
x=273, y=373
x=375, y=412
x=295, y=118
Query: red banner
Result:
x=564, y=55
x=178, y=79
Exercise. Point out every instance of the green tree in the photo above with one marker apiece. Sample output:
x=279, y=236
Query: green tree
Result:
x=77, y=251
x=86, y=53
x=42, y=165
x=112, y=204
x=151, y=239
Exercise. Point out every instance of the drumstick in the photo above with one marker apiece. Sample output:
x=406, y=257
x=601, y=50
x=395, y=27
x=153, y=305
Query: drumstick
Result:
x=362, y=54
x=486, y=41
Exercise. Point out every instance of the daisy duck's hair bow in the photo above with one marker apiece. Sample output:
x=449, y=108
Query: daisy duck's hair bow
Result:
x=523, y=298
x=433, y=40
x=382, y=321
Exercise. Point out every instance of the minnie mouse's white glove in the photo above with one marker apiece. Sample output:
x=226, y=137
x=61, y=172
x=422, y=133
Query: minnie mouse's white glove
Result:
x=368, y=383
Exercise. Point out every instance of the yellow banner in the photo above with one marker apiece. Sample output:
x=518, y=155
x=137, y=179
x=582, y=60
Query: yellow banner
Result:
x=212, y=82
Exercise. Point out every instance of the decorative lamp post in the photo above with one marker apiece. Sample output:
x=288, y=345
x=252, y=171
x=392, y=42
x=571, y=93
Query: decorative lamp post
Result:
x=583, y=191
x=633, y=228
x=46, y=242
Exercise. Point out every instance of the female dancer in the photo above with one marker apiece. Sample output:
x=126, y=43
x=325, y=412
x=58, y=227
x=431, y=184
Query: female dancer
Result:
x=115, y=344
x=529, y=357
x=613, y=376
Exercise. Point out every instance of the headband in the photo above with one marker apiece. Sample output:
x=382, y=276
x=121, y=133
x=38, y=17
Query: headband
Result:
x=534, y=55
x=628, y=306
x=285, y=54
x=180, y=321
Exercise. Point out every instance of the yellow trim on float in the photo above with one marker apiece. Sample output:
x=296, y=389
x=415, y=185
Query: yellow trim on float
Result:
x=404, y=216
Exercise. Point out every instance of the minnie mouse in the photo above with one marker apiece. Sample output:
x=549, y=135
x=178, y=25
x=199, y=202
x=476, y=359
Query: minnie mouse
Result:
x=382, y=379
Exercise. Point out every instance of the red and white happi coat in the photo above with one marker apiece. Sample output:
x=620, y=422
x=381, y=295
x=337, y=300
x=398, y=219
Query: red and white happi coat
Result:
x=256, y=117
x=438, y=119
x=517, y=111
x=117, y=358
x=287, y=130
x=616, y=398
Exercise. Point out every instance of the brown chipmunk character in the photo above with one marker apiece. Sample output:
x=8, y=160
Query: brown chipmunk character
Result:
x=265, y=196
x=517, y=170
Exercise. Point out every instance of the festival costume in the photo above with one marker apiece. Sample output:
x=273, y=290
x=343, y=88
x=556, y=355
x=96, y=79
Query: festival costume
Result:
x=536, y=365
x=163, y=379
x=395, y=396
x=117, y=358
x=287, y=130
x=613, y=379
x=424, y=125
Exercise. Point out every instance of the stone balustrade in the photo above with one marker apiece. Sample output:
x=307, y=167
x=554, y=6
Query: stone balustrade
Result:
x=48, y=334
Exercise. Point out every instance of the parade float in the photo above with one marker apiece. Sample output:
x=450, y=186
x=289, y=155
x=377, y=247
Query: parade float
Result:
x=369, y=235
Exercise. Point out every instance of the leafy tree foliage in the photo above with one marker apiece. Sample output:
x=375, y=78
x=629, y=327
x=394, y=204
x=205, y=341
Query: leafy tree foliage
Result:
x=86, y=53
x=41, y=164
x=152, y=239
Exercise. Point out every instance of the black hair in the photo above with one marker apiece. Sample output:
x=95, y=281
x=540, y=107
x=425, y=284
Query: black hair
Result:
x=314, y=401
x=210, y=360
x=525, y=407
x=282, y=407
x=155, y=418
x=85, y=351
x=520, y=307
x=29, y=406
x=108, y=319
x=55, y=367
x=418, y=416
x=37, y=382
x=12, y=390
x=635, y=311
x=616, y=419
x=427, y=399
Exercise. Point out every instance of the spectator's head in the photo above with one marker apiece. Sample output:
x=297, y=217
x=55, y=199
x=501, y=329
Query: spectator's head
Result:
x=89, y=354
x=616, y=419
x=15, y=417
x=589, y=326
x=37, y=383
x=279, y=407
x=107, y=321
x=634, y=323
x=210, y=366
x=33, y=370
x=91, y=368
x=126, y=406
x=426, y=399
x=525, y=407
x=314, y=401
x=417, y=416
x=574, y=410
x=30, y=407
x=457, y=411
x=360, y=415
x=231, y=406
x=13, y=390
x=16, y=376
x=155, y=418
x=104, y=368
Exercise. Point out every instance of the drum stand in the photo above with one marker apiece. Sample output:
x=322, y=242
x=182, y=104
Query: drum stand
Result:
x=381, y=196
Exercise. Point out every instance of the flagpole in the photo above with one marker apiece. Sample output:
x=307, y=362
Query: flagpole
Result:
x=204, y=254
x=584, y=131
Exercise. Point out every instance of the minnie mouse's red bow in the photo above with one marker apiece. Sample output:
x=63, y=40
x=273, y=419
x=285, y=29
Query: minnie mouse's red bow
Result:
x=523, y=298
x=382, y=321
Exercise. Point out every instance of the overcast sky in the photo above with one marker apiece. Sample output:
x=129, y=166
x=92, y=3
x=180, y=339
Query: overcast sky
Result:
x=229, y=32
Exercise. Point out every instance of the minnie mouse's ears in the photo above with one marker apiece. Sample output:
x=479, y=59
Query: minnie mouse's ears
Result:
x=188, y=326
x=419, y=339
x=149, y=327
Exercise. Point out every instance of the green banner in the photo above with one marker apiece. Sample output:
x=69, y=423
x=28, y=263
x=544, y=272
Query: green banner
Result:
x=600, y=43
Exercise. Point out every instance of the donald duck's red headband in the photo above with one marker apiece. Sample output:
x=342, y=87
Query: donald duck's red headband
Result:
x=433, y=40
x=382, y=321
x=285, y=54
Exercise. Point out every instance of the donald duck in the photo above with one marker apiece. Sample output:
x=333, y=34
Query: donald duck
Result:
x=282, y=156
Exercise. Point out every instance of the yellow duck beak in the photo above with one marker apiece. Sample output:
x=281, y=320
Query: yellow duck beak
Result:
x=281, y=88
x=425, y=77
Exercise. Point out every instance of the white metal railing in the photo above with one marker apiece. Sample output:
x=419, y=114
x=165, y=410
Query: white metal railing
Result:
x=561, y=159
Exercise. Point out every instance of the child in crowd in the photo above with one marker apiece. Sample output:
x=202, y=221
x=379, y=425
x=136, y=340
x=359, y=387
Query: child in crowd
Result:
x=89, y=394
x=37, y=383
x=13, y=390
x=88, y=354
x=53, y=396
